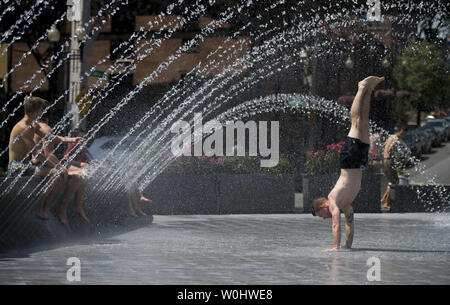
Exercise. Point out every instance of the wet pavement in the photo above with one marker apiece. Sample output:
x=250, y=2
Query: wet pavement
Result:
x=247, y=249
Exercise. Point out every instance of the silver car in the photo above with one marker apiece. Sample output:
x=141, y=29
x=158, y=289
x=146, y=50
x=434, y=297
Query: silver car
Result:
x=441, y=126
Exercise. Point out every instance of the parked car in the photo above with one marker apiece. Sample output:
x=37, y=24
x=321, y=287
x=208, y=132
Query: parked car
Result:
x=404, y=155
x=414, y=144
x=441, y=126
x=426, y=140
x=439, y=133
x=102, y=147
x=435, y=139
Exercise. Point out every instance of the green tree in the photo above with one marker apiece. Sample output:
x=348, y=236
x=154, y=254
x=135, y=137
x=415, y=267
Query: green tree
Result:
x=421, y=71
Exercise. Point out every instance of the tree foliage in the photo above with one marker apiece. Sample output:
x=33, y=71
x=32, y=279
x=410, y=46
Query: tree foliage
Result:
x=421, y=71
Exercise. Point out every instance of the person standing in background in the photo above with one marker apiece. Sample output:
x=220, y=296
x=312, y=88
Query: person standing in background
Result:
x=389, y=167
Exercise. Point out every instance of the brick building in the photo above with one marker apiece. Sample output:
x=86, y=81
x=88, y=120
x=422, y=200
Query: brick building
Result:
x=330, y=77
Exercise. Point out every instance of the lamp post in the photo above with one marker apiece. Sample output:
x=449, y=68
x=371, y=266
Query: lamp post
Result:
x=53, y=36
x=386, y=64
x=307, y=80
x=76, y=13
x=349, y=66
x=349, y=63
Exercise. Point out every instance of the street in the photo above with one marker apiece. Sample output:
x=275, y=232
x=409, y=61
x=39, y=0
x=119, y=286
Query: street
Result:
x=436, y=166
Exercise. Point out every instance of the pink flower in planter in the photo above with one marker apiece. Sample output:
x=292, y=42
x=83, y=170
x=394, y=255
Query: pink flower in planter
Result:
x=310, y=153
x=346, y=100
x=403, y=93
x=384, y=94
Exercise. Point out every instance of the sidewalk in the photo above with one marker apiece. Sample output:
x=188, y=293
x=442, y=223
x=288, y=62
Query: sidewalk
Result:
x=436, y=165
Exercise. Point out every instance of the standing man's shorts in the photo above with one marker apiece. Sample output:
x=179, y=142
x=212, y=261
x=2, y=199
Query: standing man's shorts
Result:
x=16, y=167
x=354, y=154
x=390, y=171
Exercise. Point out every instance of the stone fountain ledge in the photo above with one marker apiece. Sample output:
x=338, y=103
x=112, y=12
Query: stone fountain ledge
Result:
x=20, y=227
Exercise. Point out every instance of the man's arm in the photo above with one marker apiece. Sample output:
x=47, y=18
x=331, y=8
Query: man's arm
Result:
x=41, y=157
x=336, y=226
x=65, y=139
x=42, y=131
x=349, y=227
x=47, y=157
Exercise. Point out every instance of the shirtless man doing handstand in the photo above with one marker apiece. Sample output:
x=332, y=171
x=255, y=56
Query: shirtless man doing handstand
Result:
x=353, y=159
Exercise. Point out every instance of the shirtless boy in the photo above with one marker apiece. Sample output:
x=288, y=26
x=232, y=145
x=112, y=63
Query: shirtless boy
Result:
x=353, y=159
x=76, y=186
x=22, y=146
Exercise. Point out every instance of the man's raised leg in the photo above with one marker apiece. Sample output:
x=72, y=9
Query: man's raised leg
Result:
x=360, y=110
x=79, y=196
x=73, y=185
x=54, y=188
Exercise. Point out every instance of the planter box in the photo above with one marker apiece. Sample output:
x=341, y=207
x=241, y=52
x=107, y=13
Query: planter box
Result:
x=420, y=198
x=256, y=193
x=183, y=194
x=221, y=194
x=367, y=201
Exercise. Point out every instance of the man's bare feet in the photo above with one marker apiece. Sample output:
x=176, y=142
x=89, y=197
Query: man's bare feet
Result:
x=132, y=213
x=370, y=82
x=141, y=212
x=40, y=209
x=62, y=216
x=48, y=214
x=41, y=215
x=80, y=211
x=330, y=250
x=385, y=208
x=145, y=200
